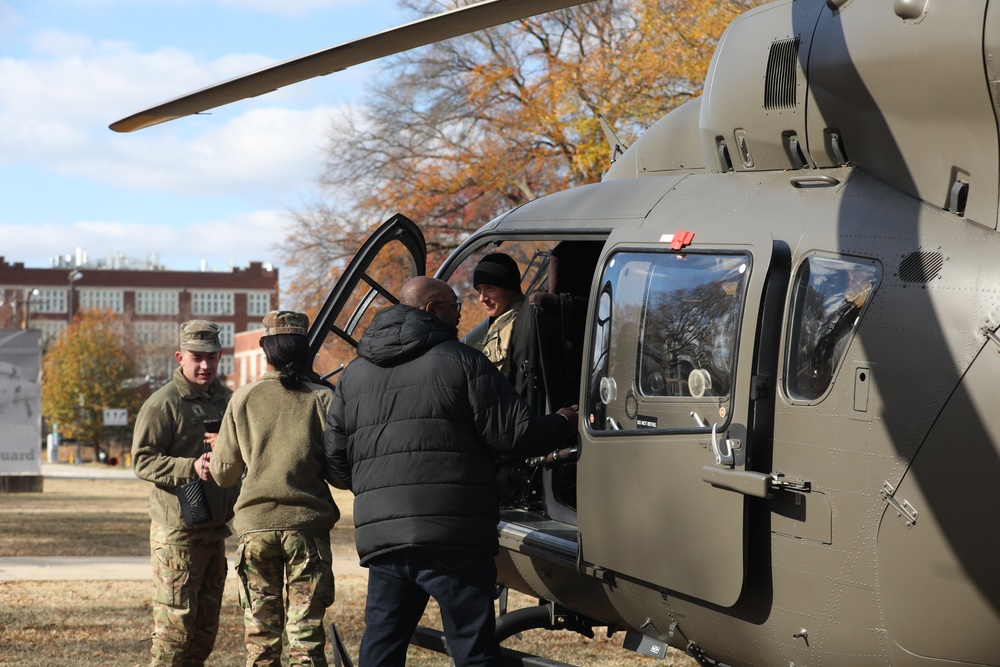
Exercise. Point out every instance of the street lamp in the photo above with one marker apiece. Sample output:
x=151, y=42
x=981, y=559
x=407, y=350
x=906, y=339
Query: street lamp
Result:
x=74, y=275
x=27, y=305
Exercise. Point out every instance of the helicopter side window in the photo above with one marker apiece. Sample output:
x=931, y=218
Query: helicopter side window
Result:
x=665, y=337
x=827, y=300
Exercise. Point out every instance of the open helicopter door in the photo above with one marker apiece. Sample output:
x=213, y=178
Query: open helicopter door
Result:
x=391, y=255
x=673, y=357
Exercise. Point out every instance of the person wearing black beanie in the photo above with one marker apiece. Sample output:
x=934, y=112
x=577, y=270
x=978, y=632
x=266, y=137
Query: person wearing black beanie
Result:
x=497, y=278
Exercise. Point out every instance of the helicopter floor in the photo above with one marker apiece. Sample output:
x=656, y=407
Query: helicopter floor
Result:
x=535, y=535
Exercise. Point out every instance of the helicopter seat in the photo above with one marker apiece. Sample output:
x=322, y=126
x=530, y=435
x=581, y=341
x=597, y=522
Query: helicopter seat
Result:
x=556, y=332
x=547, y=340
x=547, y=356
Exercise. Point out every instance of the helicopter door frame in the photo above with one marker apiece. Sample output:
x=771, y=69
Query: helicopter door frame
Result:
x=644, y=510
x=399, y=229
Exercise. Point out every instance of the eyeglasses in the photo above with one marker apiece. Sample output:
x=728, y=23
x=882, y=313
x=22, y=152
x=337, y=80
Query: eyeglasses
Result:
x=456, y=304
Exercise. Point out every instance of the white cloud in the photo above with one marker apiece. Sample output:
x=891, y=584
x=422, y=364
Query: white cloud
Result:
x=273, y=148
x=56, y=102
x=56, y=111
x=237, y=240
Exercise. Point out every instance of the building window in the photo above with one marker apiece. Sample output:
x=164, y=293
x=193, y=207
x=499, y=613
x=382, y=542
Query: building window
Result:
x=226, y=334
x=50, y=330
x=100, y=299
x=212, y=303
x=156, y=302
x=157, y=334
x=258, y=303
x=226, y=365
x=49, y=301
x=255, y=327
x=157, y=366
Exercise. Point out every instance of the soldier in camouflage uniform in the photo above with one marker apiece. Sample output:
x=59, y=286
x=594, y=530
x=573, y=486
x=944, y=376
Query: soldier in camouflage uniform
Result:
x=168, y=449
x=498, y=281
x=273, y=430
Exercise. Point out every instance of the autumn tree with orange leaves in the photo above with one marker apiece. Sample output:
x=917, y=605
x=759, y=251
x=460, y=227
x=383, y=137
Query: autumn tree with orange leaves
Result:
x=89, y=368
x=456, y=133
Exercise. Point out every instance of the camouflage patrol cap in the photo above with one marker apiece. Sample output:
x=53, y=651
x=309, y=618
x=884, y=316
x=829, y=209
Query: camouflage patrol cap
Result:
x=285, y=322
x=200, y=336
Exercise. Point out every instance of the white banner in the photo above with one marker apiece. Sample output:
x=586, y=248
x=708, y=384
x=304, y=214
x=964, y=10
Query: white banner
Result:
x=20, y=401
x=116, y=417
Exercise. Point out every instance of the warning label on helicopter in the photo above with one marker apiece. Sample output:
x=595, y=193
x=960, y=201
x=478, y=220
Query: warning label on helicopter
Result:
x=642, y=421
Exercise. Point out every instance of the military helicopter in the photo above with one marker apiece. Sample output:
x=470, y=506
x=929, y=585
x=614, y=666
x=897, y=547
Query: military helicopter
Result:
x=779, y=314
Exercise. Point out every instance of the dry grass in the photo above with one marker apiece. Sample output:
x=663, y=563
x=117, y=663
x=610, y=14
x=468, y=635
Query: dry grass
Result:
x=69, y=623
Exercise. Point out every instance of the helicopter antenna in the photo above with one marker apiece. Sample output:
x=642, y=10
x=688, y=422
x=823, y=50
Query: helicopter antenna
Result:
x=617, y=146
x=422, y=32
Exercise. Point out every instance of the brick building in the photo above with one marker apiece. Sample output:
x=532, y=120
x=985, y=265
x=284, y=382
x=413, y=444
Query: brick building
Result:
x=250, y=360
x=154, y=300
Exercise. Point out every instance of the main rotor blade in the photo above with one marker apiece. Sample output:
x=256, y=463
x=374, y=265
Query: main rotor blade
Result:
x=424, y=31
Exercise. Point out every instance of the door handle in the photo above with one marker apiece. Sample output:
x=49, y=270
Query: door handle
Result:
x=747, y=482
x=751, y=483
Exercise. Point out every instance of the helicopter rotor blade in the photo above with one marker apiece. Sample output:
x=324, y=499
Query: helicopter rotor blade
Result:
x=418, y=33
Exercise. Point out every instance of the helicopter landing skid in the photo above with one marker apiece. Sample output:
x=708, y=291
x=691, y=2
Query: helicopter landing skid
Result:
x=434, y=640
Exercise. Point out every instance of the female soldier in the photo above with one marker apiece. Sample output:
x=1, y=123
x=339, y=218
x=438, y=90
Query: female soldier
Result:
x=273, y=430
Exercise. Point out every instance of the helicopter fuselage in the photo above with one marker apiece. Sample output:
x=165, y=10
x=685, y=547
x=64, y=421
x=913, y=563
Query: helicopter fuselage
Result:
x=822, y=503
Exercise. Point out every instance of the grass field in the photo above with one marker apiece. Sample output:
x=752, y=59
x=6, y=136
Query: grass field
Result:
x=71, y=623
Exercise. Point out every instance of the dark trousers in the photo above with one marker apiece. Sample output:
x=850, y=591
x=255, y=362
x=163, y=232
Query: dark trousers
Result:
x=399, y=585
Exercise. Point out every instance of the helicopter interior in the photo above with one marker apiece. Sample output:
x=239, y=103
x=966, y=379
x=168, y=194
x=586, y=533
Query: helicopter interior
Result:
x=546, y=352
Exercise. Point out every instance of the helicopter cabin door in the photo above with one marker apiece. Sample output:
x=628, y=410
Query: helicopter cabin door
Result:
x=391, y=255
x=671, y=362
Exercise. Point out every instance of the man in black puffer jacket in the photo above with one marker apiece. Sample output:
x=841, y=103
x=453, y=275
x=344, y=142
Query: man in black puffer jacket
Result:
x=414, y=428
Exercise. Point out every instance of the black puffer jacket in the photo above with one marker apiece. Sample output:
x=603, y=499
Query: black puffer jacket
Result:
x=413, y=430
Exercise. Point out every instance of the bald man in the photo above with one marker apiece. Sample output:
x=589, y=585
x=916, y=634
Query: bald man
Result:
x=416, y=423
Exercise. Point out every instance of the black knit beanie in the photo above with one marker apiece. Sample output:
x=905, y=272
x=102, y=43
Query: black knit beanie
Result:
x=499, y=270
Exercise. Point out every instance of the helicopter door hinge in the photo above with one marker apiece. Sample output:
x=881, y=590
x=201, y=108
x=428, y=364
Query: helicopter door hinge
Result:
x=760, y=387
x=591, y=570
x=904, y=510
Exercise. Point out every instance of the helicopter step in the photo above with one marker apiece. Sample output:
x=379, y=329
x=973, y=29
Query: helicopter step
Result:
x=532, y=534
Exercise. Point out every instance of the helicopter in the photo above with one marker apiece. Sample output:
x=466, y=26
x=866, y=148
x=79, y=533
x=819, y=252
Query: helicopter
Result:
x=778, y=312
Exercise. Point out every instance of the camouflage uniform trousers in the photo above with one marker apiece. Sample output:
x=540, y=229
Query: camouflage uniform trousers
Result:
x=189, y=575
x=287, y=583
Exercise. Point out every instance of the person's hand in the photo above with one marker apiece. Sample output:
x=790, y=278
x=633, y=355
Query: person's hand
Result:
x=210, y=439
x=201, y=466
x=572, y=414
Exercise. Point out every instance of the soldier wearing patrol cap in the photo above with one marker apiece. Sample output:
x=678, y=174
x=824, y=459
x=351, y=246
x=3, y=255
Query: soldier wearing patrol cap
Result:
x=169, y=449
x=273, y=430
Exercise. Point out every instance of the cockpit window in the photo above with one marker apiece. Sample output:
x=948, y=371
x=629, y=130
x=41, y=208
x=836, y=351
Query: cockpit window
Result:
x=827, y=300
x=664, y=342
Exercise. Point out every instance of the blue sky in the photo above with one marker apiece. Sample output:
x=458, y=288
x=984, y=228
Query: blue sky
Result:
x=203, y=190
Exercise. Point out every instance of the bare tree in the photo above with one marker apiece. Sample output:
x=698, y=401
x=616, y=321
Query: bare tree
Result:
x=458, y=132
